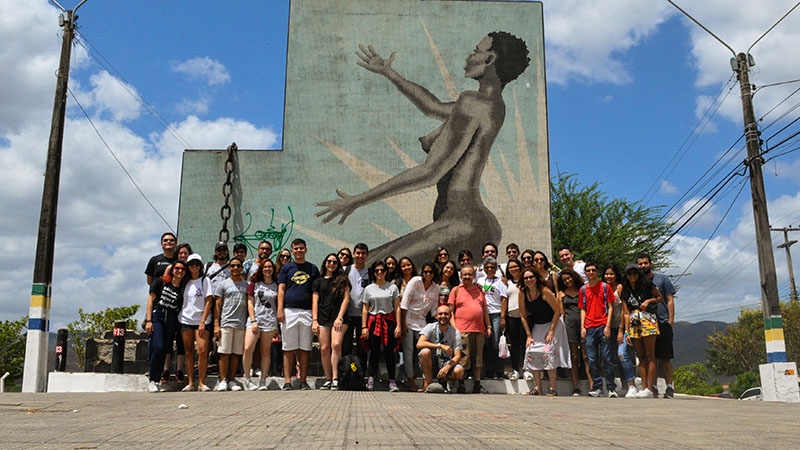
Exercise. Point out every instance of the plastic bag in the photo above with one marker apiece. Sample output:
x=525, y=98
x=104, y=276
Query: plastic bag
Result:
x=502, y=346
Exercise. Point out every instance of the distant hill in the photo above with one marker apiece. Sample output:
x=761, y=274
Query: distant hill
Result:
x=691, y=340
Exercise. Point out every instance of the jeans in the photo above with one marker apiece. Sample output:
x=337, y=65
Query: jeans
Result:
x=492, y=363
x=514, y=335
x=165, y=326
x=627, y=360
x=596, y=342
x=410, y=353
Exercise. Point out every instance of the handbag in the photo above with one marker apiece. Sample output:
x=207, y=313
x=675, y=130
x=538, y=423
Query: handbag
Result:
x=502, y=346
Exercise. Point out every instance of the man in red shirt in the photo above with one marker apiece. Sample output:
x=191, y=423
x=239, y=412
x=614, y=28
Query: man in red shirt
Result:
x=471, y=318
x=596, y=301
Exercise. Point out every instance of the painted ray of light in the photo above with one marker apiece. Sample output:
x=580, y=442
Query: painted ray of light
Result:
x=391, y=235
x=372, y=176
x=448, y=80
x=321, y=237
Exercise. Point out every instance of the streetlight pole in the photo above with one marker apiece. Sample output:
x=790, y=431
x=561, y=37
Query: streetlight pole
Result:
x=35, y=369
x=786, y=244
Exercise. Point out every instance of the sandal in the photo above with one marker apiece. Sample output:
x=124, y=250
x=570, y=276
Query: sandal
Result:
x=179, y=375
x=552, y=392
x=535, y=391
x=165, y=376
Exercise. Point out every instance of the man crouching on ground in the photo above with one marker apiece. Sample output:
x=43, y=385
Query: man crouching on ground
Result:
x=439, y=347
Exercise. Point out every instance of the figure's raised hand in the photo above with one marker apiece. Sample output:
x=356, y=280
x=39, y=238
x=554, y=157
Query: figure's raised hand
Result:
x=342, y=206
x=373, y=62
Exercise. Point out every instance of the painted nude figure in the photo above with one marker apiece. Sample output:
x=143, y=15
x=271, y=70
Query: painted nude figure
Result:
x=457, y=151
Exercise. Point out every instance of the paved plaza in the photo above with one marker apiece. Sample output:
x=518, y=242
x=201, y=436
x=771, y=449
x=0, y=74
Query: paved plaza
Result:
x=325, y=419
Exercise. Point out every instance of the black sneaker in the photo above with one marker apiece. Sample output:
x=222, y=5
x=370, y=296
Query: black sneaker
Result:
x=669, y=393
x=476, y=388
x=576, y=392
x=287, y=386
x=461, y=389
x=654, y=389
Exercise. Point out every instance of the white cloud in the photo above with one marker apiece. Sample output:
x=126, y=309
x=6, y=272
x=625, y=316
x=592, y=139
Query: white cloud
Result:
x=585, y=39
x=189, y=106
x=667, y=187
x=113, y=95
x=706, y=219
x=205, y=69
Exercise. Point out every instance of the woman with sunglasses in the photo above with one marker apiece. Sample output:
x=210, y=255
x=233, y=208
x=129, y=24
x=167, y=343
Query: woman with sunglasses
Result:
x=262, y=302
x=511, y=313
x=569, y=284
x=284, y=257
x=345, y=257
x=449, y=279
x=640, y=299
x=392, y=268
x=527, y=259
x=195, y=320
x=330, y=297
x=420, y=298
x=407, y=270
x=546, y=345
x=183, y=251
x=545, y=271
x=440, y=258
x=161, y=323
x=380, y=316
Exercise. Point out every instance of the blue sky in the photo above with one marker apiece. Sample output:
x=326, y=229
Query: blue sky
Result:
x=628, y=81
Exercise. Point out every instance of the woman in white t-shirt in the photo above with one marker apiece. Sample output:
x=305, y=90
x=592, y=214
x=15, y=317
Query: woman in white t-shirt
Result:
x=420, y=298
x=262, y=301
x=195, y=319
x=380, y=315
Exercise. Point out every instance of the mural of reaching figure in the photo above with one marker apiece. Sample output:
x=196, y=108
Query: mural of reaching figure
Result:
x=457, y=151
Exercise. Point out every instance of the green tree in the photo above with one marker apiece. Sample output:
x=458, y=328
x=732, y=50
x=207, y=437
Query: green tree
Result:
x=91, y=325
x=694, y=379
x=745, y=381
x=741, y=348
x=603, y=229
x=12, y=347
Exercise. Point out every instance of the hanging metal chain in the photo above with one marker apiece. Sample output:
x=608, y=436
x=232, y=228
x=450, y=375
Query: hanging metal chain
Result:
x=227, y=190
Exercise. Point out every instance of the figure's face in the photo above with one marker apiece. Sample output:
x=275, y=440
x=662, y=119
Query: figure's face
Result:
x=490, y=270
x=168, y=242
x=480, y=59
x=467, y=275
x=299, y=252
x=345, y=257
x=566, y=257
x=391, y=264
x=591, y=273
x=538, y=261
x=644, y=265
x=268, y=270
x=448, y=270
x=442, y=255
x=632, y=276
x=443, y=315
x=567, y=280
x=183, y=254
x=427, y=273
x=609, y=276
x=360, y=256
x=178, y=271
x=513, y=270
x=236, y=268
x=489, y=251
x=406, y=267
x=241, y=254
x=512, y=253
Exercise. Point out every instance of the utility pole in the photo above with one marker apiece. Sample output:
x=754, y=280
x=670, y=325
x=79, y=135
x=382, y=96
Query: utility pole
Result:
x=35, y=369
x=786, y=244
x=778, y=377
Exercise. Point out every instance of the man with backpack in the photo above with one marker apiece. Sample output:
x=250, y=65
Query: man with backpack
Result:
x=596, y=301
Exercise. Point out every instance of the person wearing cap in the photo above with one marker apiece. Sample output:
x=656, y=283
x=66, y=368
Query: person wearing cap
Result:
x=217, y=271
x=640, y=299
x=195, y=321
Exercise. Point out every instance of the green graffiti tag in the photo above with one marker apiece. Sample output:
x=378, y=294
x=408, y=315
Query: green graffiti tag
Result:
x=278, y=237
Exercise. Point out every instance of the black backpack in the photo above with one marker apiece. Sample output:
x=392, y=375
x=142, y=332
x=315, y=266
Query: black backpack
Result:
x=351, y=373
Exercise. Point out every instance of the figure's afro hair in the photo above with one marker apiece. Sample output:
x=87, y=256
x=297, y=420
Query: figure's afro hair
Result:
x=512, y=55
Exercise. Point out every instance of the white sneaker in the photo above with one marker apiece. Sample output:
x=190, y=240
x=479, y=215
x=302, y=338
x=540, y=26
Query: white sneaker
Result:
x=612, y=393
x=393, y=386
x=631, y=392
x=644, y=393
x=249, y=385
x=596, y=393
x=262, y=384
x=152, y=387
x=221, y=386
x=514, y=375
x=236, y=386
x=528, y=376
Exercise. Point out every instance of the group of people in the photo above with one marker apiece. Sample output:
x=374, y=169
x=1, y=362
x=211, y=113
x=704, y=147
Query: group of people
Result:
x=450, y=319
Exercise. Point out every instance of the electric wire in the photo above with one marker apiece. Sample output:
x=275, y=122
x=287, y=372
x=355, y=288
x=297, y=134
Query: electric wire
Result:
x=91, y=122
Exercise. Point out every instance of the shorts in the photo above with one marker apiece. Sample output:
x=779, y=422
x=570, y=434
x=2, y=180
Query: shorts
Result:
x=231, y=342
x=473, y=348
x=643, y=324
x=296, y=332
x=208, y=327
x=664, y=342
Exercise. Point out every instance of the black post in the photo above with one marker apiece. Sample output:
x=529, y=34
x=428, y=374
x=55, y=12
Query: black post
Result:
x=61, y=350
x=118, y=350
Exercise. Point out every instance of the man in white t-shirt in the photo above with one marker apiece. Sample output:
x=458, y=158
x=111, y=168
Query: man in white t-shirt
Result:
x=567, y=258
x=496, y=294
x=358, y=274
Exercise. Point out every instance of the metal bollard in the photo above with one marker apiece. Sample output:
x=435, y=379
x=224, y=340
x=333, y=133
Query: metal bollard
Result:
x=61, y=350
x=118, y=349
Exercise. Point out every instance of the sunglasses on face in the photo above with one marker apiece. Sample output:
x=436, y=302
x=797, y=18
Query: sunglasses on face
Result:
x=527, y=258
x=538, y=259
x=379, y=270
x=344, y=254
x=233, y=266
x=168, y=240
x=427, y=272
x=590, y=270
x=284, y=257
x=490, y=268
x=528, y=278
x=465, y=260
x=332, y=261
x=444, y=254
x=178, y=269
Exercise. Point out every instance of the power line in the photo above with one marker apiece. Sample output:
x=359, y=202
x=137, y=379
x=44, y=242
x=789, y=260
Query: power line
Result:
x=118, y=161
x=117, y=75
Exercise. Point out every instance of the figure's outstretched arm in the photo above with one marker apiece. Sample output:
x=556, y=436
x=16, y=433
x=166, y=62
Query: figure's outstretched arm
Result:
x=423, y=99
x=455, y=139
